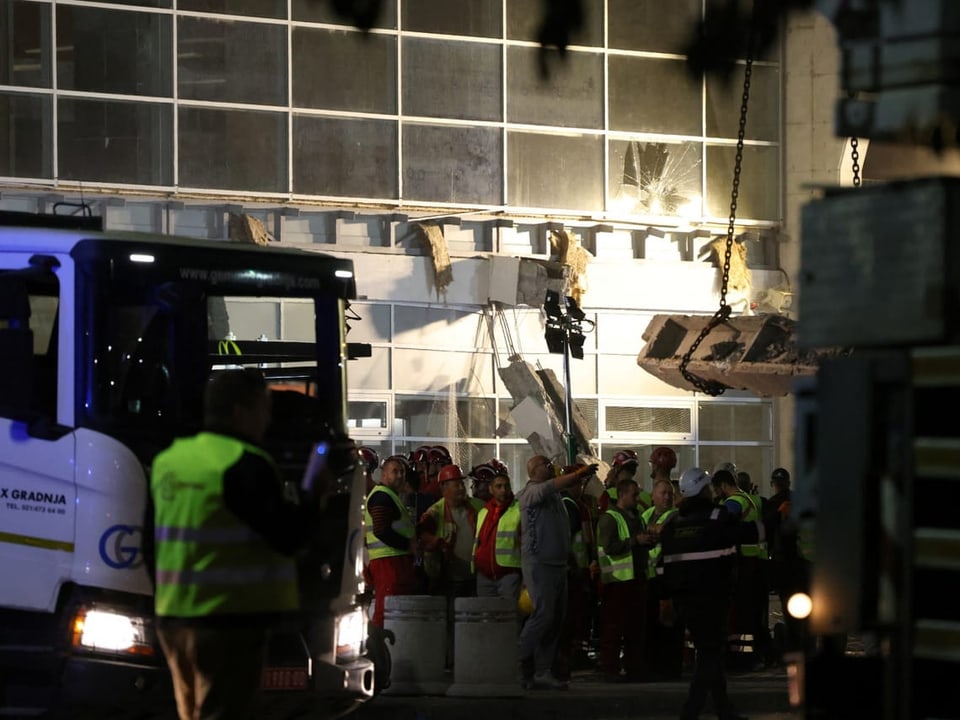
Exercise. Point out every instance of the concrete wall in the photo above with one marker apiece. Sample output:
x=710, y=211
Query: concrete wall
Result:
x=813, y=156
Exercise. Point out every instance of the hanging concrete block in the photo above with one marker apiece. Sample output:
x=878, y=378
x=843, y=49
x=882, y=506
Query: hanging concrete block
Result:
x=486, y=658
x=419, y=623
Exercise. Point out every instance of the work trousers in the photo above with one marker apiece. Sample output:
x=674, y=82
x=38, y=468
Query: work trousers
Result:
x=507, y=586
x=663, y=646
x=623, y=618
x=215, y=672
x=390, y=576
x=547, y=585
x=706, y=619
x=575, y=630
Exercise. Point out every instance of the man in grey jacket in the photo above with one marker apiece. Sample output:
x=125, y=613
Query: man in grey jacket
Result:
x=545, y=552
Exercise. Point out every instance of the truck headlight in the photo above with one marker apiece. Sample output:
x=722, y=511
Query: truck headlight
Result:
x=351, y=635
x=110, y=631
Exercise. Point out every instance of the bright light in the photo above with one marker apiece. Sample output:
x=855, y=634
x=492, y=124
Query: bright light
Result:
x=351, y=633
x=799, y=605
x=691, y=208
x=343, y=273
x=110, y=631
x=141, y=258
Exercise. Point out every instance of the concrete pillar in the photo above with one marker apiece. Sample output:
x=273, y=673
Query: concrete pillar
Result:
x=418, y=655
x=486, y=657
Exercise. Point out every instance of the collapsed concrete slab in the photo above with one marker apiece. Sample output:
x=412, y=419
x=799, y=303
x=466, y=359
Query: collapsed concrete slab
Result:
x=757, y=353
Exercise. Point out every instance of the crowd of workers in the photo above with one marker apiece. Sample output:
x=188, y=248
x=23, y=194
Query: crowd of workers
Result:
x=632, y=571
x=631, y=574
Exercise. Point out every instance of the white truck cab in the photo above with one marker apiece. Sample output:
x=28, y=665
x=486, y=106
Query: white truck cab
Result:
x=106, y=342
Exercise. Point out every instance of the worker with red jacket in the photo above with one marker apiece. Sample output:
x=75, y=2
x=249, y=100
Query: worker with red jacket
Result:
x=496, y=547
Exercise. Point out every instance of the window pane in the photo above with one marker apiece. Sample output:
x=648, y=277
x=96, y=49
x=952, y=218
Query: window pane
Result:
x=339, y=70
x=759, y=184
x=26, y=26
x=442, y=417
x=231, y=61
x=648, y=95
x=653, y=25
x=372, y=373
x=439, y=327
x=326, y=12
x=25, y=126
x=367, y=415
x=572, y=96
x=763, y=109
x=373, y=324
x=726, y=421
x=507, y=427
x=589, y=410
x=468, y=73
x=443, y=370
x=260, y=8
x=147, y=3
x=515, y=457
x=233, y=149
x=481, y=18
x=116, y=142
x=453, y=164
x=114, y=51
x=525, y=17
x=627, y=419
x=556, y=171
x=352, y=158
x=648, y=178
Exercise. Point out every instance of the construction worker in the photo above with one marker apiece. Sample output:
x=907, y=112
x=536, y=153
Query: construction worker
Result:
x=480, y=477
x=390, y=541
x=545, y=553
x=623, y=467
x=496, y=547
x=622, y=548
x=750, y=600
x=582, y=566
x=222, y=535
x=447, y=531
x=663, y=646
x=436, y=457
x=698, y=556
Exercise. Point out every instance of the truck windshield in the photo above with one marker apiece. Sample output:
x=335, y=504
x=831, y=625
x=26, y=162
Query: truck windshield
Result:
x=151, y=340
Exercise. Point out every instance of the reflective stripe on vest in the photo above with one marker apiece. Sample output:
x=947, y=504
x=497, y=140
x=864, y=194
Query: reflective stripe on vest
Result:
x=204, y=551
x=506, y=547
x=654, y=553
x=376, y=548
x=750, y=512
x=702, y=555
x=616, y=568
x=577, y=546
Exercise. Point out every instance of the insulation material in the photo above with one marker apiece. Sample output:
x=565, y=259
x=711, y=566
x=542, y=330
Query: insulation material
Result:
x=566, y=246
x=245, y=228
x=442, y=270
x=739, y=272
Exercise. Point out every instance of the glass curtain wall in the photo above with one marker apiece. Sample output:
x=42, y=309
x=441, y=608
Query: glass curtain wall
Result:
x=421, y=387
x=440, y=104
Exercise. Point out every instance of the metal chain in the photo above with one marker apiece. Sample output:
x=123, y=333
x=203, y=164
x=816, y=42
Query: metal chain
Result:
x=855, y=156
x=712, y=387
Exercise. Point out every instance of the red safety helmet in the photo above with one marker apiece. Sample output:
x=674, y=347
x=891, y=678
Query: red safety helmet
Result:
x=486, y=471
x=449, y=472
x=663, y=457
x=499, y=466
x=419, y=455
x=439, y=455
x=625, y=457
x=369, y=457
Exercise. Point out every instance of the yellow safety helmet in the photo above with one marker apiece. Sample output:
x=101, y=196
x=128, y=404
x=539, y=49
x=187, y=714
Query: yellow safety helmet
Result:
x=525, y=602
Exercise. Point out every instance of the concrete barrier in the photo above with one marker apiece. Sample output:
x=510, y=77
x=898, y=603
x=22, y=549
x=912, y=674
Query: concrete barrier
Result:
x=418, y=655
x=486, y=657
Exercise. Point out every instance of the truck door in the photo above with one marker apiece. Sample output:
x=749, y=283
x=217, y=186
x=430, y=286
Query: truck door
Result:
x=37, y=495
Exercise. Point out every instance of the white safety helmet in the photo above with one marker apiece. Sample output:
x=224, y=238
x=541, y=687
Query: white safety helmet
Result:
x=693, y=481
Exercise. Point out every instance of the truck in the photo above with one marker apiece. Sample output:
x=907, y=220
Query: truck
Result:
x=106, y=342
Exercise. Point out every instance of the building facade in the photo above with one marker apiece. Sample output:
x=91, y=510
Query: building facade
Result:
x=168, y=115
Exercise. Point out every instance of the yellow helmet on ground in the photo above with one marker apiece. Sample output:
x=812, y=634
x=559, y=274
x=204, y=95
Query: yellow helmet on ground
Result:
x=525, y=602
